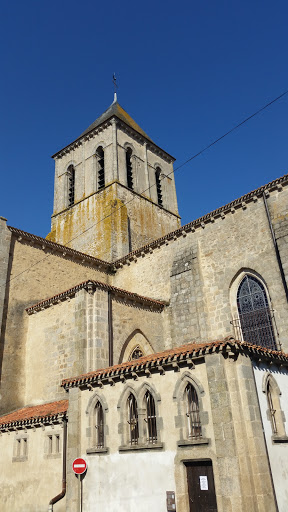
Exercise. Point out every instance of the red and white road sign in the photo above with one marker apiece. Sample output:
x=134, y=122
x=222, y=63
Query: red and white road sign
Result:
x=79, y=466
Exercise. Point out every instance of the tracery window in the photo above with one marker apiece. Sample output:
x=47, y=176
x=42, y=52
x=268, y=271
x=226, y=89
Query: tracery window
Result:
x=133, y=420
x=254, y=313
x=71, y=185
x=192, y=412
x=98, y=426
x=129, y=168
x=158, y=186
x=101, y=167
x=150, y=418
x=136, y=353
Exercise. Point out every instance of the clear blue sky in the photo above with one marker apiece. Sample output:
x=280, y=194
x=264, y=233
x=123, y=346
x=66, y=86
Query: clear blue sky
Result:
x=188, y=71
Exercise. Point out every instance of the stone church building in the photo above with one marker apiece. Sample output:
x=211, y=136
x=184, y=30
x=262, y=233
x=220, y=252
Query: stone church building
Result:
x=156, y=352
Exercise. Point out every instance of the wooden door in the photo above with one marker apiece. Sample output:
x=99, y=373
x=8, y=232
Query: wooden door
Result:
x=201, y=487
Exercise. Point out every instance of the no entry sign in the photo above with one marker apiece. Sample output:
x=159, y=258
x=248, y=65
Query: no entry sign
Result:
x=79, y=466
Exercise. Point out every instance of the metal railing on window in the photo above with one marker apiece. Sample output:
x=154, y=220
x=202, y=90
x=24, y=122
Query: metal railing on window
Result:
x=256, y=327
x=99, y=426
x=150, y=419
x=193, y=412
x=133, y=420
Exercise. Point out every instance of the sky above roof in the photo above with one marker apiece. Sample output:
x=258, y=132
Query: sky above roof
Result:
x=187, y=73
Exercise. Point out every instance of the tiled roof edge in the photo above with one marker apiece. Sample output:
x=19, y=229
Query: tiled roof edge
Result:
x=201, y=221
x=89, y=285
x=60, y=248
x=171, y=359
x=77, y=142
x=34, y=419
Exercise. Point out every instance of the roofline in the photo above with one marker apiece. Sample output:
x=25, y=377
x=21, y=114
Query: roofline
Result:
x=66, y=251
x=90, y=286
x=33, y=420
x=149, y=141
x=240, y=202
x=173, y=359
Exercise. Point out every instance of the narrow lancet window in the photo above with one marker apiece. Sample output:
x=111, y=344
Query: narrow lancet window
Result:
x=99, y=426
x=129, y=168
x=133, y=420
x=150, y=418
x=192, y=412
x=158, y=186
x=100, y=167
x=254, y=313
x=272, y=409
x=71, y=185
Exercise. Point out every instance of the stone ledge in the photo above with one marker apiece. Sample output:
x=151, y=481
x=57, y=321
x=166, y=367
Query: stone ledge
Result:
x=138, y=447
x=193, y=442
x=90, y=451
x=279, y=439
x=20, y=459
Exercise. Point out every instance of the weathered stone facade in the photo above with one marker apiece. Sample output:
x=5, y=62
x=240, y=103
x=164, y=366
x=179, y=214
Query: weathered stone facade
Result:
x=65, y=312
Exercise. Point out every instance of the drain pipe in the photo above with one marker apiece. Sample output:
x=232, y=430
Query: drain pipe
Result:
x=63, y=492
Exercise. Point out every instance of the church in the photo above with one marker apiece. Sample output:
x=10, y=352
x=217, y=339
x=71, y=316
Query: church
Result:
x=156, y=352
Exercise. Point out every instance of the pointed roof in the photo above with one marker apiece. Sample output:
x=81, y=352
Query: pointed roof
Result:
x=116, y=110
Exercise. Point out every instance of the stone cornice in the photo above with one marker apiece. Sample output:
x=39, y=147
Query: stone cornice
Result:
x=61, y=250
x=240, y=203
x=173, y=359
x=124, y=127
x=90, y=286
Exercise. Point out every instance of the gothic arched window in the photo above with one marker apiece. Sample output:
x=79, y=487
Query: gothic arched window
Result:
x=71, y=185
x=271, y=406
x=254, y=313
x=133, y=420
x=98, y=421
x=129, y=168
x=100, y=167
x=158, y=186
x=192, y=412
x=150, y=418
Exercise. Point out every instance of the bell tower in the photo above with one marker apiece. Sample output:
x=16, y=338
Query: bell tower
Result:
x=114, y=189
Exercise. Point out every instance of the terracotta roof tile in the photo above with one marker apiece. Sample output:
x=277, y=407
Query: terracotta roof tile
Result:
x=35, y=412
x=177, y=354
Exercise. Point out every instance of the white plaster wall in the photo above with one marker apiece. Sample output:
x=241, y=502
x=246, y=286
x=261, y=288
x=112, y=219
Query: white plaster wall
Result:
x=126, y=482
x=278, y=453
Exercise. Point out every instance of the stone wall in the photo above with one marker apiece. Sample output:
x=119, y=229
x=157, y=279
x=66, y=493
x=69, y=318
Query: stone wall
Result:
x=35, y=274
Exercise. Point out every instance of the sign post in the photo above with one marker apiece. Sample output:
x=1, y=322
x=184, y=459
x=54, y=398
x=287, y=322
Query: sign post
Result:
x=79, y=467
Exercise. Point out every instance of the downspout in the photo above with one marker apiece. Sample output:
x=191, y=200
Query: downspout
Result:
x=63, y=492
x=110, y=329
x=276, y=247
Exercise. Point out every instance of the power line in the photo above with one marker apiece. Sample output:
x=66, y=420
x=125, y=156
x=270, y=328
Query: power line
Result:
x=164, y=176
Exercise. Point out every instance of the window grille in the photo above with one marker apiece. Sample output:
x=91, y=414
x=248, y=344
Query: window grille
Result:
x=192, y=412
x=150, y=418
x=137, y=352
x=99, y=425
x=272, y=410
x=254, y=313
x=71, y=185
x=101, y=167
x=133, y=420
x=129, y=168
x=158, y=186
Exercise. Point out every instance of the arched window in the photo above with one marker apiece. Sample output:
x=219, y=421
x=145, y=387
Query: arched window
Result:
x=98, y=420
x=129, y=168
x=271, y=407
x=133, y=420
x=136, y=353
x=158, y=186
x=150, y=418
x=71, y=185
x=100, y=167
x=192, y=412
x=254, y=313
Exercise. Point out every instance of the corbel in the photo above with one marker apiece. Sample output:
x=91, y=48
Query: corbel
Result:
x=111, y=381
x=147, y=373
x=134, y=375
